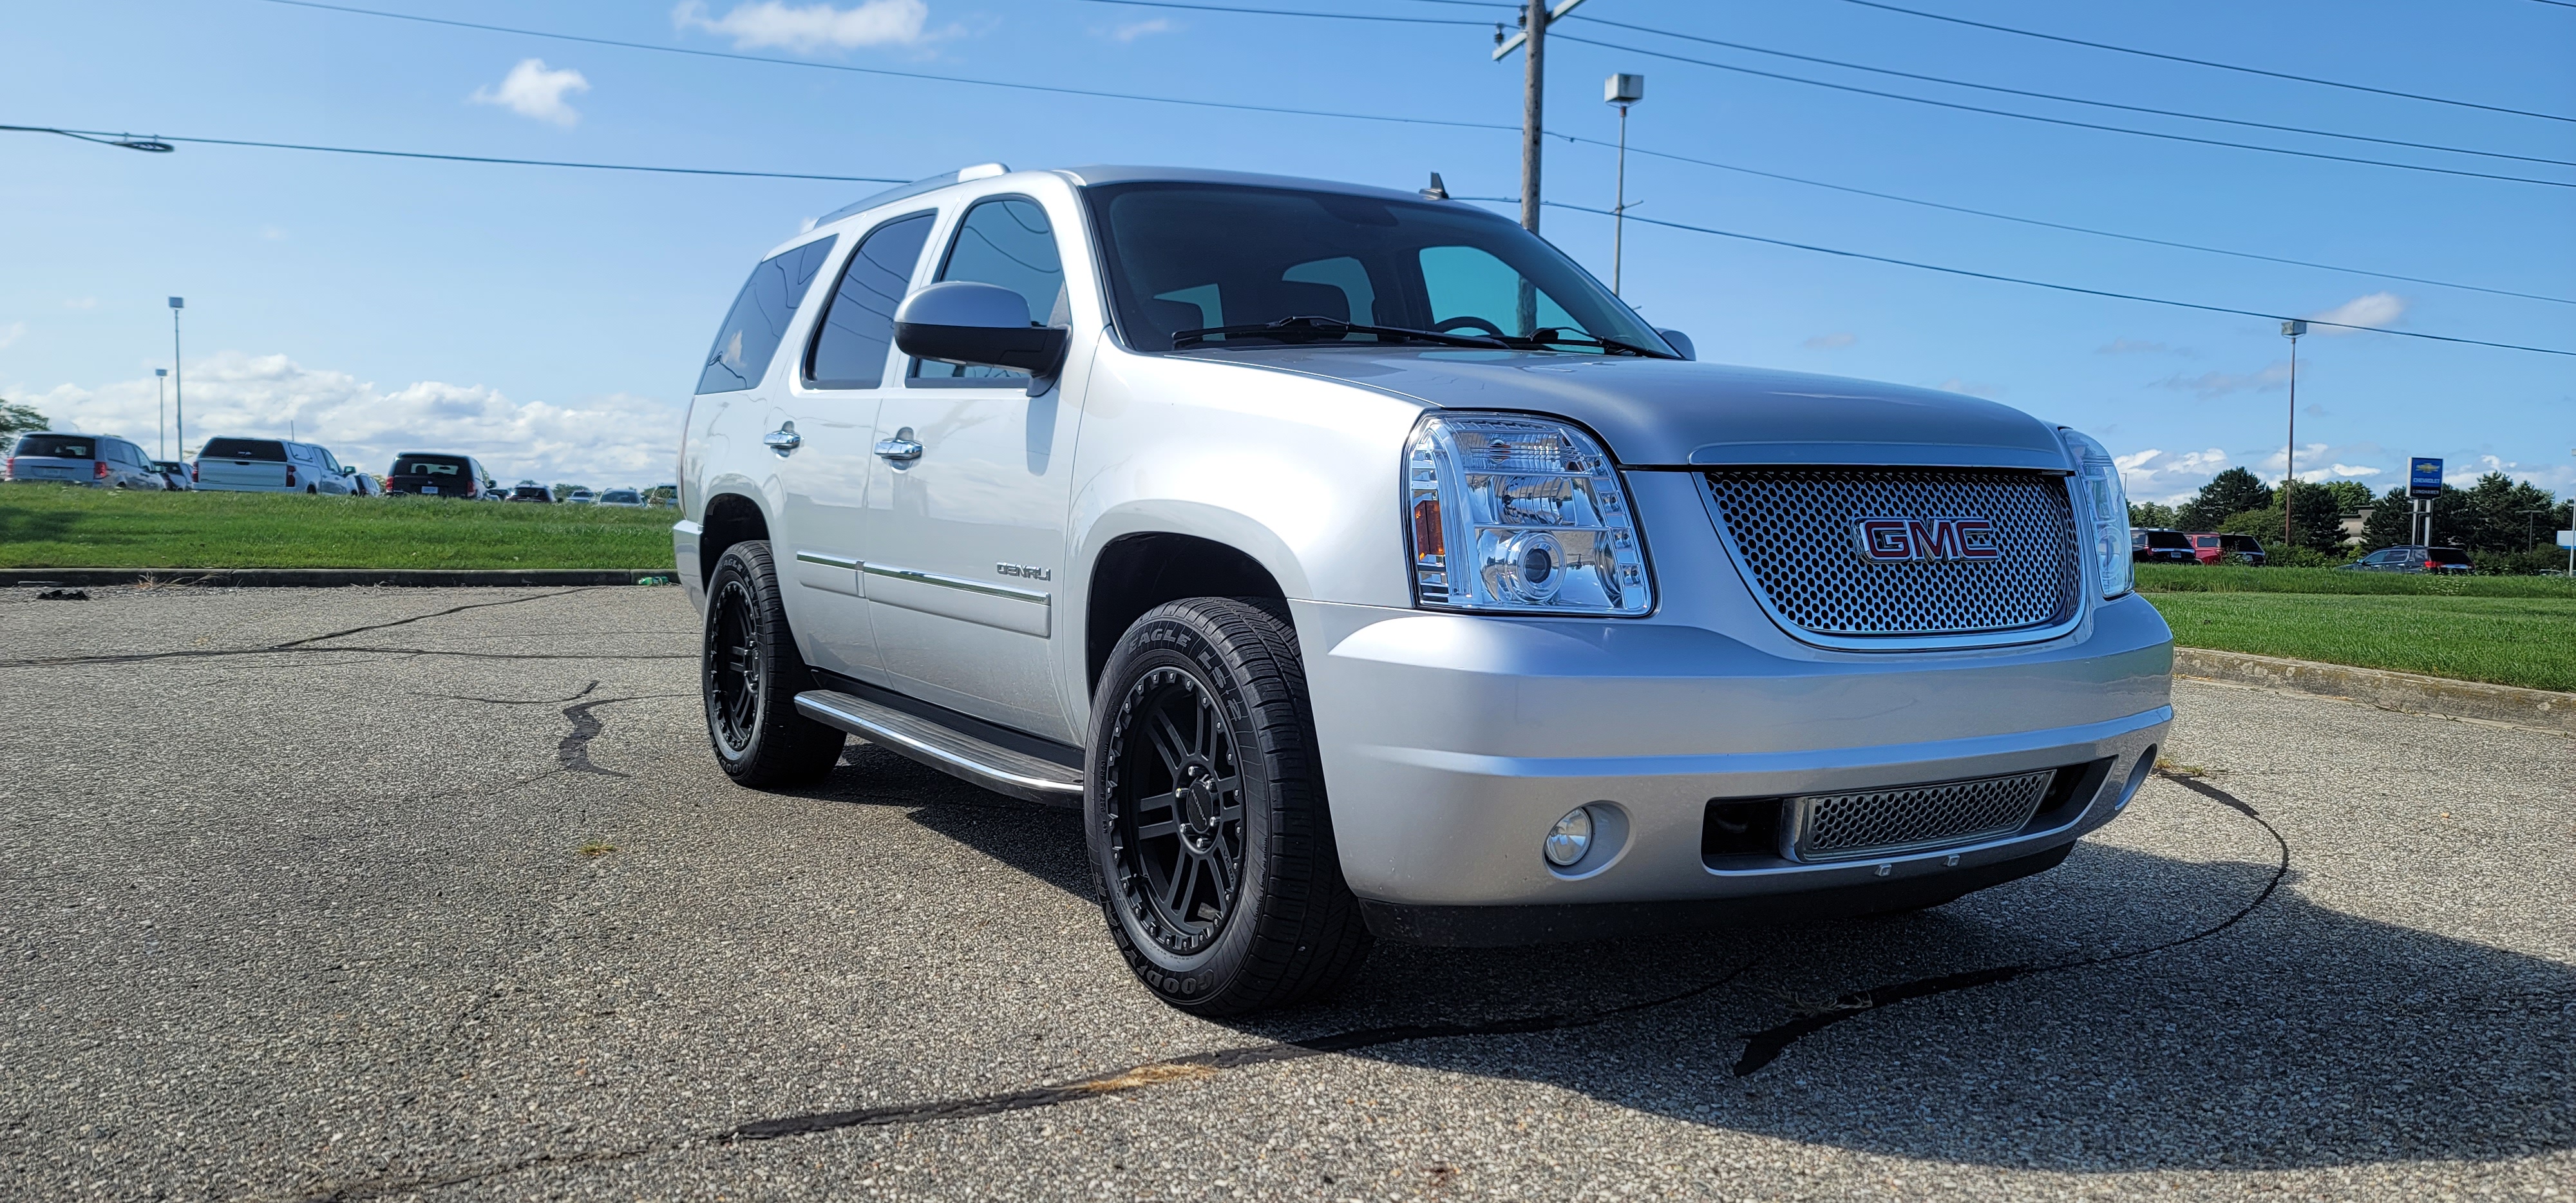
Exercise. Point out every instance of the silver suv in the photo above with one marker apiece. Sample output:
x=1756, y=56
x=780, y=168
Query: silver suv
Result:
x=1362, y=568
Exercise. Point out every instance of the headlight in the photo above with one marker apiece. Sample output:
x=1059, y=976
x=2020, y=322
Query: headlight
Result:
x=1520, y=515
x=2108, y=502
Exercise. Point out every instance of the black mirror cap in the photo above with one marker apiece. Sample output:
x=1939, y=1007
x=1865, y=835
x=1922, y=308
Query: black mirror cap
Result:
x=1037, y=350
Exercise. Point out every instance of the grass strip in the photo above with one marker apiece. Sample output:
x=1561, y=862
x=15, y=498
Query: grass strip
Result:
x=2177, y=578
x=2525, y=641
x=57, y=526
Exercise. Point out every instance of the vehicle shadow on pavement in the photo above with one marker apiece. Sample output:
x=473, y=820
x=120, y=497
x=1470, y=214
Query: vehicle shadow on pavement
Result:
x=2299, y=1037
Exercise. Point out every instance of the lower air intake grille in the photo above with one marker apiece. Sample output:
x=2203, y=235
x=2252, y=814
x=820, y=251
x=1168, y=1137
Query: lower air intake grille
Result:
x=1913, y=818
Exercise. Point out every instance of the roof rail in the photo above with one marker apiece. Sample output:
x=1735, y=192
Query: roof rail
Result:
x=980, y=171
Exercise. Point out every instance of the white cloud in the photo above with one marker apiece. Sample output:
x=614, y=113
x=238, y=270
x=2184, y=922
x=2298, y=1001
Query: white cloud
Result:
x=81, y=303
x=2375, y=310
x=1828, y=342
x=12, y=333
x=532, y=91
x=614, y=439
x=811, y=27
x=2169, y=477
x=1133, y=30
x=2131, y=346
x=2348, y=471
x=2218, y=384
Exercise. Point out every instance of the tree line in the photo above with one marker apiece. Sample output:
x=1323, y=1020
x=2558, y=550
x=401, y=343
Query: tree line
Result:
x=2505, y=524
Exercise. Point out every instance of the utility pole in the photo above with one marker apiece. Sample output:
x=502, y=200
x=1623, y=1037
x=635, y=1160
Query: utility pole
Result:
x=161, y=385
x=2290, y=452
x=1535, y=15
x=1621, y=90
x=178, y=378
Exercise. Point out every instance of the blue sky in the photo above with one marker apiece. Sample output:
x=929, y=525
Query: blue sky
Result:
x=552, y=319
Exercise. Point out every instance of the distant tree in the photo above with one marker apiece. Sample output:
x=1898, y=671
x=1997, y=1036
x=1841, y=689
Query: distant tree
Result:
x=16, y=419
x=2349, y=495
x=2151, y=515
x=2494, y=515
x=2320, y=524
x=563, y=490
x=2391, y=520
x=2233, y=491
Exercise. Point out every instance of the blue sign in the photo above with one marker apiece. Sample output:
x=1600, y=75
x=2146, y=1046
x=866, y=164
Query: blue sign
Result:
x=2424, y=478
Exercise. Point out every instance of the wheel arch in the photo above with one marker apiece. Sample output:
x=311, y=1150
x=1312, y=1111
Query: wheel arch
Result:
x=1138, y=564
x=731, y=517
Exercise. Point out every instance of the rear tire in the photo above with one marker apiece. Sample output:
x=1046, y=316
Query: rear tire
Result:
x=750, y=673
x=1210, y=843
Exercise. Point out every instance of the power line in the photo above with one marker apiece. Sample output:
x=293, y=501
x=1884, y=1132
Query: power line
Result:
x=1281, y=12
x=2055, y=225
x=2200, y=62
x=103, y=136
x=881, y=71
x=2090, y=292
x=2065, y=121
x=2104, y=104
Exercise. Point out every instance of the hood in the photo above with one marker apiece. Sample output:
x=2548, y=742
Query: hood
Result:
x=1667, y=413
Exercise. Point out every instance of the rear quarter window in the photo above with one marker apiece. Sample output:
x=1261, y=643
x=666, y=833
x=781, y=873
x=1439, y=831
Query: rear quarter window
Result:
x=758, y=320
x=58, y=446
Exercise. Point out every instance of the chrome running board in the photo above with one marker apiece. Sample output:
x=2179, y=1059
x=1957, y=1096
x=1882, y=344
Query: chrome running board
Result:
x=992, y=766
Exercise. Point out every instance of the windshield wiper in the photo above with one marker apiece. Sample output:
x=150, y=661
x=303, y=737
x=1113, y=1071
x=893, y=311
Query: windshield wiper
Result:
x=1310, y=328
x=1549, y=336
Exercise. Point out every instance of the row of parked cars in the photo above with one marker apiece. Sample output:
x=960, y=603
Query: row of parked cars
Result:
x=2181, y=547
x=245, y=465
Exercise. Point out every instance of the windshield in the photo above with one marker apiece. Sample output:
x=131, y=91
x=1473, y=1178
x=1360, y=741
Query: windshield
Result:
x=620, y=495
x=1194, y=256
x=259, y=449
x=55, y=446
x=422, y=465
x=2166, y=538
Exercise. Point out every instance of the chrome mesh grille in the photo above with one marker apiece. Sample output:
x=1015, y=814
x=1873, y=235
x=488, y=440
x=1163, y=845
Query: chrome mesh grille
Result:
x=1879, y=822
x=1793, y=531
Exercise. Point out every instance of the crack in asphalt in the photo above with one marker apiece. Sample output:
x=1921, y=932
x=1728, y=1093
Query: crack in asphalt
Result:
x=574, y=751
x=305, y=644
x=1763, y=1047
x=217, y=653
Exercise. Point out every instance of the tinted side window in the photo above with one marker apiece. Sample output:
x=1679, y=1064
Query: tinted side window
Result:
x=1005, y=241
x=857, y=332
x=258, y=449
x=759, y=318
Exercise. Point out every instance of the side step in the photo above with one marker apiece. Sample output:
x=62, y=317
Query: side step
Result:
x=989, y=765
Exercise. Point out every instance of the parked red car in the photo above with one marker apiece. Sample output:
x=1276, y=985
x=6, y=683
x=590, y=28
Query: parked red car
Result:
x=2218, y=549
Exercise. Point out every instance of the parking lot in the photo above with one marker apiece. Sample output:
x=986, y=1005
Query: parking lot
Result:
x=354, y=894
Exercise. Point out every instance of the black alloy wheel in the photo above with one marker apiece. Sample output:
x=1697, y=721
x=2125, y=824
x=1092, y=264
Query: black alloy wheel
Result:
x=750, y=674
x=1210, y=842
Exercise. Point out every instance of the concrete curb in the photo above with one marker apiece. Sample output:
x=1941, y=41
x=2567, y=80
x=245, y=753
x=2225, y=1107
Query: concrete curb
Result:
x=329, y=578
x=2544, y=709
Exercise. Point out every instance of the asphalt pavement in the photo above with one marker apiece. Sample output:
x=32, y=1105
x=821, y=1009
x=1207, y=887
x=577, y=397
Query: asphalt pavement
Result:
x=438, y=894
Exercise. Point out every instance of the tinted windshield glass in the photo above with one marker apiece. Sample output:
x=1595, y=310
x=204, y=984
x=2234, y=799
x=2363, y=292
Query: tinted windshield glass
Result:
x=2166, y=538
x=759, y=317
x=619, y=495
x=1190, y=256
x=425, y=465
x=57, y=446
x=263, y=449
x=2447, y=555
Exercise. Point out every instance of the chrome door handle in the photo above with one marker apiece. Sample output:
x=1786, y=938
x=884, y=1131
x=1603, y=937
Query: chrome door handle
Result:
x=783, y=440
x=900, y=448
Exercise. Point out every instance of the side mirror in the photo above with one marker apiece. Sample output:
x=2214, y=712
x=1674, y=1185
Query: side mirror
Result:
x=1681, y=342
x=962, y=321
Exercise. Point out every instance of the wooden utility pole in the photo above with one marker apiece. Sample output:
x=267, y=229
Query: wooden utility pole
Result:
x=1533, y=112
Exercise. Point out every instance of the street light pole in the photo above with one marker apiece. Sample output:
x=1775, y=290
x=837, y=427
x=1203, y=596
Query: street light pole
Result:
x=161, y=386
x=178, y=378
x=1621, y=90
x=2290, y=451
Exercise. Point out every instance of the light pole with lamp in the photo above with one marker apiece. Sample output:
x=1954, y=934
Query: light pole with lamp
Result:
x=178, y=385
x=2291, y=330
x=161, y=385
x=1621, y=90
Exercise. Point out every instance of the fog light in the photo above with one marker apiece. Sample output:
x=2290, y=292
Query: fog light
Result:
x=1570, y=838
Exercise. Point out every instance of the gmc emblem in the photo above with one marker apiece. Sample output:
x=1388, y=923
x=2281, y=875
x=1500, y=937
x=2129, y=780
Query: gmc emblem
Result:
x=1889, y=539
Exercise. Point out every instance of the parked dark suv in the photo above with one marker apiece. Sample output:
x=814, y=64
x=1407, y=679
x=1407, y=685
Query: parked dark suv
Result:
x=2161, y=547
x=2449, y=561
x=2226, y=549
x=434, y=474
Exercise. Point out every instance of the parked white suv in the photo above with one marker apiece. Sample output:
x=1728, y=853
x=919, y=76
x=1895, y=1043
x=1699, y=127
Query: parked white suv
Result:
x=1363, y=568
x=237, y=465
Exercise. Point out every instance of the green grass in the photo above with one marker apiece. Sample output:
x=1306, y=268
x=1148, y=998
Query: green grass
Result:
x=56, y=526
x=2525, y=641
x=2175, y=578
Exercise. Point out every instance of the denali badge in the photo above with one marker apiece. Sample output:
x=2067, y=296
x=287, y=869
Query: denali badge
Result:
x=1885, y=539
x=1025, y=571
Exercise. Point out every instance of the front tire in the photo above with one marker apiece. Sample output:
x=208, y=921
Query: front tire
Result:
x=750, y=673
x=1211, y=846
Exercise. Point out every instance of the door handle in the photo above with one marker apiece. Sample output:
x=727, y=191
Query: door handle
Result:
x=902, y=448
x=783, y=440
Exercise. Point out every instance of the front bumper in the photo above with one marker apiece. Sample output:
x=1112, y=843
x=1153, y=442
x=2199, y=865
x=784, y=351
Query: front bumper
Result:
x=1453, y=742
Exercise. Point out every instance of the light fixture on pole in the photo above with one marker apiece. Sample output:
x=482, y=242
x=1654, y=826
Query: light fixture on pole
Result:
x=161, y=385
x=178, y=379
x=1621, y=90
x=2291, y=330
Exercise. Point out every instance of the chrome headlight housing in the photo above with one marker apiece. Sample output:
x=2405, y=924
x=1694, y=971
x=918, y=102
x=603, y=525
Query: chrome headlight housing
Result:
x=1520, y=515
x=2106, y=501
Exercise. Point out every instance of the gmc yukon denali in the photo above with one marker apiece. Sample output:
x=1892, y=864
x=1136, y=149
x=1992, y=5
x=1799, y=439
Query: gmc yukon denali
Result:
x=1363, y=569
